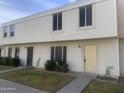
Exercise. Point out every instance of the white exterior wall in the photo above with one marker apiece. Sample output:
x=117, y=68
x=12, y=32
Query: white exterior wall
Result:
x=107, y=54
x=39, y=29
x=121, y=47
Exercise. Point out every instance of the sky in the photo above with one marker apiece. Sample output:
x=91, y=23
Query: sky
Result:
x=14, y=9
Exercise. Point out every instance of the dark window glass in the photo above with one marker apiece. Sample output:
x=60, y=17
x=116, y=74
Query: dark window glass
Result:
x=89, y=15
x=54, y=22
x=5, y=31
x=52, y=53
x=9, y=52
x=0, y=52
x=12, y=30
x=11, y=34
x=17, y=50
x=29, y=56
x=64, y=53
x=58, y=55
x=5, y=34
x=59, y=21
x=82, y=16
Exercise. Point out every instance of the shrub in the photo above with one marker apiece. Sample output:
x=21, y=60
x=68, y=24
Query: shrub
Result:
x=60, y=66
x=7, y=61
x=50, y=65
x=15, y=62
x=2, y=61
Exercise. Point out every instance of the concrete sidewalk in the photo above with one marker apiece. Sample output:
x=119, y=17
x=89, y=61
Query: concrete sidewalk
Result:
x=79, y=84
x=11, y=87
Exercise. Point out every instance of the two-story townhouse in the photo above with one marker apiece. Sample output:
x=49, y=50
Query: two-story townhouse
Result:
x=88, y=34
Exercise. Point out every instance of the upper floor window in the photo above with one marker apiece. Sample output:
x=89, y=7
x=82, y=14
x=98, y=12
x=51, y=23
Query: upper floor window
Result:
x=12, y=30
x=85, y=15
x=5, y=31
x=57, y=21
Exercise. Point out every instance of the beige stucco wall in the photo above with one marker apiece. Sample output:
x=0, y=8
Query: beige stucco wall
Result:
x=121, y=47
x=120, y=17
x=107, y=54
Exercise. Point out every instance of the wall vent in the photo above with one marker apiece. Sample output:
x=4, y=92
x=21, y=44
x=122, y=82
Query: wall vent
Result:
x=109, y=70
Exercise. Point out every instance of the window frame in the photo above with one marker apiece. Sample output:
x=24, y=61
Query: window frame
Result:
x=58, y=23
x=86, y=11
x=10, y=52
x=12, y=30
x=55, y=22
x=53, y=57
x=58, y=52
x=5, y=30
x=89, y=10
x=17, y=52
x=52, y=53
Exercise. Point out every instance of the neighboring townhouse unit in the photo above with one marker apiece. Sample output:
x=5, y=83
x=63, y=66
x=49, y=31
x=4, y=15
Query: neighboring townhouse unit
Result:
x=88, y=34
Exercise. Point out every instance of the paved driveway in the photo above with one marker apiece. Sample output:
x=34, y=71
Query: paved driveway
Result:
x=11, y=87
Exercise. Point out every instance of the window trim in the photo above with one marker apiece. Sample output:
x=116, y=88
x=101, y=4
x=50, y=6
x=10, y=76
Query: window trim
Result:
x=85, y=7
x=12, y=30
x=17, y=52
x=57, y=15
x=10, y=52
x=59, y=51
x=5, y=28
x=62, y=52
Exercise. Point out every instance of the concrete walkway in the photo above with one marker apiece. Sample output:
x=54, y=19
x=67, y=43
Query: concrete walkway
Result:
x=11, y=87
x=13, y=69
x=79, y=84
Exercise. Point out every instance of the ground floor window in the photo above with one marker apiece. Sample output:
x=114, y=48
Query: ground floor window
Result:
x=9, y=52
x=58, y=53
x=17, y=50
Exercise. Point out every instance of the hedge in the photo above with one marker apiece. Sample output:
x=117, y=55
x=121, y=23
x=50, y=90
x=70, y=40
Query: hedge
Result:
x=7, y=61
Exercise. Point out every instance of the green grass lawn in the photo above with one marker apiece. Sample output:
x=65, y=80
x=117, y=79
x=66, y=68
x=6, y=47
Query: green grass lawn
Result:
x=5, y=68
x=104, y=87
x=41, y=80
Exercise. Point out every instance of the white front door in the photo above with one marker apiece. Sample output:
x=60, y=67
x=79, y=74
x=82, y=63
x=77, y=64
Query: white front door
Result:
x=90, y=58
